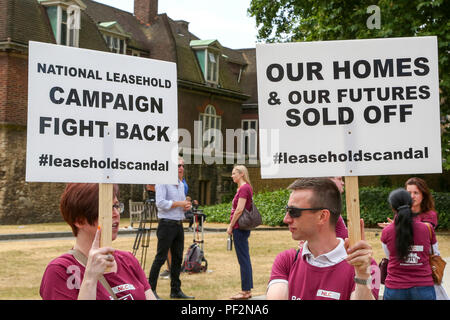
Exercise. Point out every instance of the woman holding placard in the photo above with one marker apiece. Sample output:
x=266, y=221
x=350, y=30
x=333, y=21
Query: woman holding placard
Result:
x=407, y=245
x=88, y=271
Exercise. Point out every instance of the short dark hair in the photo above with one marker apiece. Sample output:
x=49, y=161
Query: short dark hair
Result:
x=325, y=194
x=79, y=203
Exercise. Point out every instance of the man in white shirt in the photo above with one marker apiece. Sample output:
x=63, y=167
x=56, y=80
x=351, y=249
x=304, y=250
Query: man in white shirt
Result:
x=171, y=202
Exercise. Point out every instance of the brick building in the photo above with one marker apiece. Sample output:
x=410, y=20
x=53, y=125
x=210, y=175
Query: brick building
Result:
x=216, y=85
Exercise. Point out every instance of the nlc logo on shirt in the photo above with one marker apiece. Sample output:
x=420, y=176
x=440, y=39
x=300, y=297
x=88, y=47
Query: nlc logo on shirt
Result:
x=328, y=294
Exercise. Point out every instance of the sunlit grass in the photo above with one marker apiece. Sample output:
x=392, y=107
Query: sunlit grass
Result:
x=22, y=263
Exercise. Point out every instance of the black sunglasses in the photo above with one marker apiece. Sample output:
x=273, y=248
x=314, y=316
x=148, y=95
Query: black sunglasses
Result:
x=297, y=212
x=181, y=165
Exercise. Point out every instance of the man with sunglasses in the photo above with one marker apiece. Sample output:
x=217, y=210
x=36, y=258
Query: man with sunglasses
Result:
x=325, y=267
x=171, y=203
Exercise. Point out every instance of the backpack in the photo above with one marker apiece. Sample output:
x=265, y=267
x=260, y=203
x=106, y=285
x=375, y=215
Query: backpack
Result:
x=193, y=260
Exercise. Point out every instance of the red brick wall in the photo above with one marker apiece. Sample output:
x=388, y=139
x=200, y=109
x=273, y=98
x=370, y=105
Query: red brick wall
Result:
x=13, y=88
x=3, y=84
x=145, y=10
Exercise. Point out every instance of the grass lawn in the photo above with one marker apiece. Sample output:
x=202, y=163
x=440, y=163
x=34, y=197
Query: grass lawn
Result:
x=22, y=263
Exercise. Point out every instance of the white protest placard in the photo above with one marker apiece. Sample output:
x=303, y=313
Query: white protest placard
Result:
x=100, y=117
x=349, y=108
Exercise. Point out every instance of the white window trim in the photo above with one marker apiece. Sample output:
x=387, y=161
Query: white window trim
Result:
x=59, y=22
x=216, y=56
x=115, y=36
x=252, y=152
x=135, y=53
x=208, y=132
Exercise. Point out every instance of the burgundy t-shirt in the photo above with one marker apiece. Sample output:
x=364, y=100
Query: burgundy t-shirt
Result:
x=416, y=270
x=63, y=277
x=246, y=192
x=429, y=216
x=307, y=282
x=341, y=229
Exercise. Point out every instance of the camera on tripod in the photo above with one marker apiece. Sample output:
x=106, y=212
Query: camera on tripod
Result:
x=151, y=196
x=151, y=193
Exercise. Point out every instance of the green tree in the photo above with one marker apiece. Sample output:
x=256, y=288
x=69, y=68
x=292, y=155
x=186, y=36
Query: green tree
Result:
x=314, y=20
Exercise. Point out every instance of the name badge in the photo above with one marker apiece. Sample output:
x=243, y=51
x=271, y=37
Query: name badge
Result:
x=328, y=294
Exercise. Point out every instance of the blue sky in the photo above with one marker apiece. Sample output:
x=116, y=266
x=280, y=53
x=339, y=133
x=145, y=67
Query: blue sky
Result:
x=226, y=21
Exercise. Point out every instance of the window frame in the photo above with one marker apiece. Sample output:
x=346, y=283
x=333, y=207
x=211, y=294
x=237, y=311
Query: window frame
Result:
x=214, y=77
x=210, y=120
x=250, y=149
x=71, y=35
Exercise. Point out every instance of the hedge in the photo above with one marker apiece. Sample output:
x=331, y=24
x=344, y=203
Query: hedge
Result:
x=373, y=207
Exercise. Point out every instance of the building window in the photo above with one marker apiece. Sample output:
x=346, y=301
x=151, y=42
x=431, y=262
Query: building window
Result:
x=207, y=53
x=135, y=53
x=204, y=193
x=115, y=44
x=115, y=36
x=65, y=23
x=212, y=67
x=250, y=138
x=211, y=126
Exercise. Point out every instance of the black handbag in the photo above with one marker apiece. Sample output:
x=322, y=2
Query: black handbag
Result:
x=250, y=219
x=383, y=269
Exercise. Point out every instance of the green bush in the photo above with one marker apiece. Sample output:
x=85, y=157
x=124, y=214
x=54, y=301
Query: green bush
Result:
x=373, y=203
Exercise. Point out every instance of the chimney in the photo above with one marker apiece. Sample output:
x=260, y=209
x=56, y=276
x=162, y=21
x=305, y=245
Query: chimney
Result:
x=182, y=27
x=146, y=10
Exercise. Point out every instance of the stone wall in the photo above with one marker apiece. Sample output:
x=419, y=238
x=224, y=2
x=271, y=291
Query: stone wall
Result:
x=23, y=202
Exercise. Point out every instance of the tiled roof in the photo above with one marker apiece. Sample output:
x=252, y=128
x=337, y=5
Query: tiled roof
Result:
x=27, y=20
x=103, y=13
x=22, y=21
x=165, y=39
x=189, y=68
x=249, y=82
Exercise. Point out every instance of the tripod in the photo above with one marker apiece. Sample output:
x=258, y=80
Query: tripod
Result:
x=145, y=227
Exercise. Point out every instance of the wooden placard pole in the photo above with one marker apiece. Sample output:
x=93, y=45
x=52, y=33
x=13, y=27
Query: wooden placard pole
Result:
x=105, y=202
x=353, y=214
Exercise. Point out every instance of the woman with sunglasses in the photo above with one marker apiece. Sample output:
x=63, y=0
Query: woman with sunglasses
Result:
x=241, y=200
x=88, y=271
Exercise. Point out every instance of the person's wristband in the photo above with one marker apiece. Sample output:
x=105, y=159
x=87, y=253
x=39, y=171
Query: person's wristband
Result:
x=363, y=281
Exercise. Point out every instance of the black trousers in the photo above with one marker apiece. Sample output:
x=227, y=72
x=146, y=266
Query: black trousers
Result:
x=170, y=236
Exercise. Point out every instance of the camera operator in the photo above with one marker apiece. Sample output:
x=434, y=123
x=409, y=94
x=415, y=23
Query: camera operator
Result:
x=151, y=194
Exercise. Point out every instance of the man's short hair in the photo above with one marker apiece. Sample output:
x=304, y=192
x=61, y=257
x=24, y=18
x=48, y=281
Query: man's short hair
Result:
x=325, y=195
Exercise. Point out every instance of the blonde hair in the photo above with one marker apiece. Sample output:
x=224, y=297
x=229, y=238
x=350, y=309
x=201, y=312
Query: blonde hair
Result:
x=243, y=169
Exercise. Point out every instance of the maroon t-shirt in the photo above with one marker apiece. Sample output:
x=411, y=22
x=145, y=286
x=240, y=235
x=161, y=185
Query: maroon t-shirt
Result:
x=63, y=277
x=429, y=217
x=246, y=192
x=308, y=282
x=341, y=229
x=416, y=270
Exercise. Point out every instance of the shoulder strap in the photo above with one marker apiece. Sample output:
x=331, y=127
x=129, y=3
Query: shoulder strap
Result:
x=82, y=258
x=296, y=255
x=431, y=237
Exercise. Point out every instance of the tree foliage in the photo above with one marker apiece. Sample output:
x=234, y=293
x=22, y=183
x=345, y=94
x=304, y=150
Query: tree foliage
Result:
x=315, y=20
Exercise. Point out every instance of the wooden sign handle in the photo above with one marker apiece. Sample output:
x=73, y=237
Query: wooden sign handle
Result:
x=353, y=213
x=105, y=202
